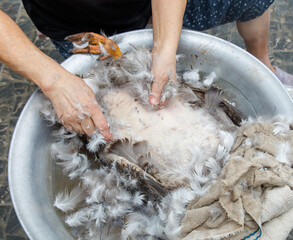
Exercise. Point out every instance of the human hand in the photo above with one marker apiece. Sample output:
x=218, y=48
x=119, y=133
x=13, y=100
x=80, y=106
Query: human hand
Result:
x=76, y=106
x=163, y=69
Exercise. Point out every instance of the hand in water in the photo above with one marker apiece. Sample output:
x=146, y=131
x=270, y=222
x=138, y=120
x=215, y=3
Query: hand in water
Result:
x=77, y=108
x=163, y=69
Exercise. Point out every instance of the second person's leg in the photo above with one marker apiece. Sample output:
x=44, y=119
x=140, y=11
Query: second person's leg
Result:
x=255, y=34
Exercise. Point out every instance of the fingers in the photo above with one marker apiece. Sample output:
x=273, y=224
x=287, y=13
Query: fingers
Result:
x=88, y=126
x=86, y=120
x=160, y=80
x=101, y=124
x=155, y=96
x=163, y=70
x=71, y=123
x=76, y=106
x=77, y=128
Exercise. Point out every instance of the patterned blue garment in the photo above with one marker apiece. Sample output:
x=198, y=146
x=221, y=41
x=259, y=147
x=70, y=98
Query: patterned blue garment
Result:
x=204, y=14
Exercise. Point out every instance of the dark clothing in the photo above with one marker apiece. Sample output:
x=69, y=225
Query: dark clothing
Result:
x=60, y=18
x=205, y=14
x=63, y=47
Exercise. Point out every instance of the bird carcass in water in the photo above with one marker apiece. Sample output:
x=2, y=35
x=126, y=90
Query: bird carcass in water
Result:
x=155, y=151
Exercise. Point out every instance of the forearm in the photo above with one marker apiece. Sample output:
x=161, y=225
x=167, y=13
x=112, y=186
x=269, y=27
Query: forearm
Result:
x=167, y=23
x=21, y=55
x=74, y=102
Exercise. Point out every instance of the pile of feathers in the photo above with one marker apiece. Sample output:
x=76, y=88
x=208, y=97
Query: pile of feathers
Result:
x=137, y=187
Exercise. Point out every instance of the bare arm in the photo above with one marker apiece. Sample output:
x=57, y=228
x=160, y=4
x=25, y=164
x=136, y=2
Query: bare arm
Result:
x=167, y=25
x=73, y=101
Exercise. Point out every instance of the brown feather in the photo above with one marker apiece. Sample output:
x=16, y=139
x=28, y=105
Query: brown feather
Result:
x=213, y=98
x=133, y=160
x=147, y=183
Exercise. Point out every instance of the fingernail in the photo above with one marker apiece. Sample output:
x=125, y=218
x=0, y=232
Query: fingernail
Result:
x=153, y=101
x=107, y=135
x=109, y=138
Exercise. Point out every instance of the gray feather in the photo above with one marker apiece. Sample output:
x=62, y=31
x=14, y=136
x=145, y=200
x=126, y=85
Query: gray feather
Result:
x=213, y=98
x=127, y=149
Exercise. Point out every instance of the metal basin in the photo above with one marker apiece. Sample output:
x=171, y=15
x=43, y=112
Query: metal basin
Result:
x=30, y=168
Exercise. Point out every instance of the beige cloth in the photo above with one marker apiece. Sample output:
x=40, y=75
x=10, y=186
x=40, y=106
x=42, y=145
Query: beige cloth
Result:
x=254, y=191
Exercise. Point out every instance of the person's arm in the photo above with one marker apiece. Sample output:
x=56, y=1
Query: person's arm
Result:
x=74, y=102
x=167, y=16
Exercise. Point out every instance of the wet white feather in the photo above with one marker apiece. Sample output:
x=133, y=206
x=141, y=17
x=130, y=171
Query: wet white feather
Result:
x=154, y=228
x=208, y=80
x=191, y=76
x=124, y=196
x=119, y=210
x=103, y=50
x=199, y=189
x=227, y=139
x=97, y=213
x=90, y=178
x=281, y=126
x=96, y=142
x=96, y=194
x=74, y=165
x=63, y=133
x=135, y=225
x=173, y=226
x=216, y=213
x=47, y=111
x=138, y=199
x=221, y=155
x=78, y=218
x=180, y=198
x=61, y=150
x=68, y=201
x=283, y=153
x=139, y=225
x=214, y=167
x=80, y=46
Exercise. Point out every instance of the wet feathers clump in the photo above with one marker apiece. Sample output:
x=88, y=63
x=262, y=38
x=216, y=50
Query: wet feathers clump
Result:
x=137, y=187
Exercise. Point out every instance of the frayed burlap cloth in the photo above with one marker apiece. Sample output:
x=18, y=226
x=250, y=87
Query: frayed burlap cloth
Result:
x=253, y=198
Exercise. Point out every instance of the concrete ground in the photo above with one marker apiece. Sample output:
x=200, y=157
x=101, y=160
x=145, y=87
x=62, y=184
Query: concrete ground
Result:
x=15, y=90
